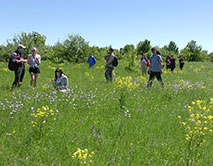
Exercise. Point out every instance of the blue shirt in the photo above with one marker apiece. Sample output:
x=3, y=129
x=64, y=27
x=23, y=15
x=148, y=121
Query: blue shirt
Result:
x=91, y=61
x=156, y=63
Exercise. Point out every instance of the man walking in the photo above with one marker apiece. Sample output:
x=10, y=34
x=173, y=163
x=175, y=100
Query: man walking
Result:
x=155, y=67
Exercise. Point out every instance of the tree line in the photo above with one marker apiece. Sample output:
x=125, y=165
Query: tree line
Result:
x=76, y=49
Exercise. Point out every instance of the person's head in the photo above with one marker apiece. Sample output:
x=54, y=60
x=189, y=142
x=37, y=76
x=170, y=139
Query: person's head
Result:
x=21, y=47
x=110, y=51
x=34, y=51
x=90, y=54
x=58, y=72
x=154, y=51
x=172, y=56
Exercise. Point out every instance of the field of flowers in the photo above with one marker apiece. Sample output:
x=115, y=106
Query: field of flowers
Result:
x=99, y=123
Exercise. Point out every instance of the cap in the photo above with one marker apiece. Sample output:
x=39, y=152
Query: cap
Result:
x=21, y=46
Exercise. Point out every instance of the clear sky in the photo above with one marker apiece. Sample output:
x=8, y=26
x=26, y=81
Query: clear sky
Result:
x=111, y=22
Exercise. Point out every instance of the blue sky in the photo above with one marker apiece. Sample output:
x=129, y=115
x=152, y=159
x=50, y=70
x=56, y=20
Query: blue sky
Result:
x=111, y=22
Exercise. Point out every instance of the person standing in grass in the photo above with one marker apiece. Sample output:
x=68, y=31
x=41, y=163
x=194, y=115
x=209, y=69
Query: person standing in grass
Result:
x=34, y=61
x=155, y=67
x=18, y=61
x=181, y=63
x=173, y=63
x=144, y=64
x=168, y=62
x=91, y=60
x=109, y=65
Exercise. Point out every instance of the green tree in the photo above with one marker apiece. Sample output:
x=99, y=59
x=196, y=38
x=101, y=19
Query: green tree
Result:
x=143, y=47
x=210, y=57
x=30, y=40
x=73, y=49
x=172, y=47
x=192, y=52
x=128, y=48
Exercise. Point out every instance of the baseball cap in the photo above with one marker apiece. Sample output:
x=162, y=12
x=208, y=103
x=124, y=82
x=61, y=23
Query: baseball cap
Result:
x=21, y=46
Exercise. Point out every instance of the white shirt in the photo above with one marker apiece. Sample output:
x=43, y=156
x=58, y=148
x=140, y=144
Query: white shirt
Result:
x=32, y=60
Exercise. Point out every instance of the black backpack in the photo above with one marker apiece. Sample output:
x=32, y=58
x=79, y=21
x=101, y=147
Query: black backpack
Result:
x=12, y=65
x=115, y=61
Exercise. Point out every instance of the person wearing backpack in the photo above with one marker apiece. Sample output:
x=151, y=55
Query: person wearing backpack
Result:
x=34, y=61
x=91, y=60
x=144, y=64
x=109, y=67
x=18, y=61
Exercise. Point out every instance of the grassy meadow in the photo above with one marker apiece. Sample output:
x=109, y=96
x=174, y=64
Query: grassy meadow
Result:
x=97, y=123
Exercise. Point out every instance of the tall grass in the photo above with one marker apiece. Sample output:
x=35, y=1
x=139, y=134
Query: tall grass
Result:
x=120, y=125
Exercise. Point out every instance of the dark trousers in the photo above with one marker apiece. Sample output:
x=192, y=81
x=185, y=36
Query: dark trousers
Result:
x=19, y=75
x=181, y=66
x=108, y=73
x=168, y=67
x=152, y=77
x=172, y=68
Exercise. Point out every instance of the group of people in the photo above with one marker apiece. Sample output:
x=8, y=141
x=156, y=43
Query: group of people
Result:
x=154, y=63
x=110, y=64
x=170, y=63
x=18, y=61
x=34, y=60
x=157, y=65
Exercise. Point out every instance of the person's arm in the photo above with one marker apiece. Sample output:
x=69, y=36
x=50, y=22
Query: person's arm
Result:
x=13, y=57
x=39, y=59
x=22, y=60
x=161, y=62
x=64, y=82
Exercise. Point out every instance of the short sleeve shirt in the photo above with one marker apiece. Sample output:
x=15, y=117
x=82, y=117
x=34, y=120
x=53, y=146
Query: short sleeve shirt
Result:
x=155, y=63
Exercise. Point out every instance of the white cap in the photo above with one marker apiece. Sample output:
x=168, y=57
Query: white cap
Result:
x=21, y=46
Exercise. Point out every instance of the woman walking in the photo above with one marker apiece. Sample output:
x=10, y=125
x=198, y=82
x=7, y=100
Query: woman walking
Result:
x=144, y=64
